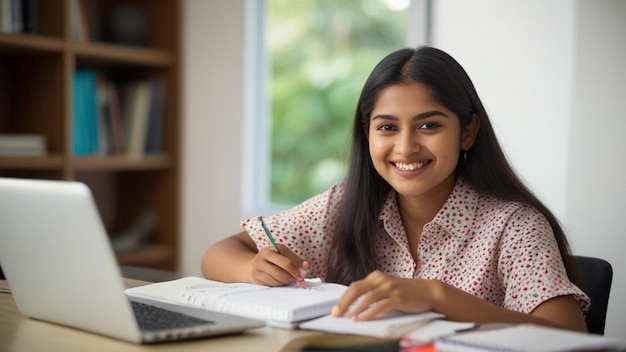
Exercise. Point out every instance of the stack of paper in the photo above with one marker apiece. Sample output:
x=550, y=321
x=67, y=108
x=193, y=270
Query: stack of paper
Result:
x=23, y=145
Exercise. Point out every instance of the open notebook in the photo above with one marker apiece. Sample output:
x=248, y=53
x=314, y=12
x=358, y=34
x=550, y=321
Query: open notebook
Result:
x=284, y=306
x=61, y=268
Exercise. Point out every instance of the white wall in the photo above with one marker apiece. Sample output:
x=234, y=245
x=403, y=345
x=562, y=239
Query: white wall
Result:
x=212, y=91
x=596, y=191
x=518, y=54
x=551, y=74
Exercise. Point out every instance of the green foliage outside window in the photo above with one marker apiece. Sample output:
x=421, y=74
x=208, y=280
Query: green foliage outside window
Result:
x=320, y=53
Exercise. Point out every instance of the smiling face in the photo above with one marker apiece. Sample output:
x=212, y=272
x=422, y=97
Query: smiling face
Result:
x=415, y=142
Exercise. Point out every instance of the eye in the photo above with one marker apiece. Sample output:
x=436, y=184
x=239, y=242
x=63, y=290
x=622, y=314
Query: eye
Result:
x=429, y=126
x=386, y=128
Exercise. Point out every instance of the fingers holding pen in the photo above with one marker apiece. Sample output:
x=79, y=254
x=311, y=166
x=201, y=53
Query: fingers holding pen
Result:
x=295, y=266
x=272, y=268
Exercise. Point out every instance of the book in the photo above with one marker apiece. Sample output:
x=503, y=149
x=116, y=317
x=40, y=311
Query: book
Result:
x=23, y=145
x=30, y=14
x=344, y=343
x=283, y=306
x=85, y=133
x=6, y=18
x=115, y=114
x=390, y=325
x=527, y=337
x=135, y=114
x=154, y=132
x=16, y=16
x=106, y=144
x=79, y=21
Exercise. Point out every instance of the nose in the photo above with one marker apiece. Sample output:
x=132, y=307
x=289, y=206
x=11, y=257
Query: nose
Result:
x=408, y=143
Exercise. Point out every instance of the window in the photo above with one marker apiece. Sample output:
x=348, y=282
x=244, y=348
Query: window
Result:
x=307, y=62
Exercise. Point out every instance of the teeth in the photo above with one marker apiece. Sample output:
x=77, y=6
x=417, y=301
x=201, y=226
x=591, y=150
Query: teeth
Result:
x=410, y=167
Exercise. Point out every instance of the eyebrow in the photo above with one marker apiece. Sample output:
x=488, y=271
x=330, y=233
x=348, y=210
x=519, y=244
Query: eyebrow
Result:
x=421, y=116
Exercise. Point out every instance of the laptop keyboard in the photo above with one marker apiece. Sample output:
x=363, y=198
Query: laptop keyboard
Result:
x=151, y=318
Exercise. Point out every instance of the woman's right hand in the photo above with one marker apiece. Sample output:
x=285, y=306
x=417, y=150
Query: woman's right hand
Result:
x=271, y=268
x=236, y=259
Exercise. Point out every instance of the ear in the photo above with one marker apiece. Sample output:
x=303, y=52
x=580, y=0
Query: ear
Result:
x=468, y=136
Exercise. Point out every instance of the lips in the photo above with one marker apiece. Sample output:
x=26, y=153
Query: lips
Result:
x=411, y=166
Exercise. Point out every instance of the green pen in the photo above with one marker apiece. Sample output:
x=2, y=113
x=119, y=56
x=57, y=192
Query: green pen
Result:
x=301, y=282
x=269, y=235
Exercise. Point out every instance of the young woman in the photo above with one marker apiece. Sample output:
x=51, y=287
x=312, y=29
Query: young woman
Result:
x=430, y=216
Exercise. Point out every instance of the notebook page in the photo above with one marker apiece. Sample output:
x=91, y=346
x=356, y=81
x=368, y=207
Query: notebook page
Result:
x=393, y=324
x=281, y=304
x=168, y=291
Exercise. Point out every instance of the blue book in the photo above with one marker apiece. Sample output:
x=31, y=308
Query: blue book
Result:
x=84, y=113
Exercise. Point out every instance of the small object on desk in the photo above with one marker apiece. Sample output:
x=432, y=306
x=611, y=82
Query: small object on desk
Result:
x=344, y=343
x=436, y=329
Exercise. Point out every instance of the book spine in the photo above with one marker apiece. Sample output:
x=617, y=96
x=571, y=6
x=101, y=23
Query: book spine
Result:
x=6, y=19
x=84, y=118
x=76, y=22
x=10, y=141
x=136, y=110
x=103, y=116
x=30, y=13
x=116, y=119
x=16, y=16
x=154, y=133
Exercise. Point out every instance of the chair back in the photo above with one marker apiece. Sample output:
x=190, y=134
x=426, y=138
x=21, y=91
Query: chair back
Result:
x=597, y=276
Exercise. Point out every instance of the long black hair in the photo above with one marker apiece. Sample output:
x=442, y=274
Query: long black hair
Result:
x=353, y=254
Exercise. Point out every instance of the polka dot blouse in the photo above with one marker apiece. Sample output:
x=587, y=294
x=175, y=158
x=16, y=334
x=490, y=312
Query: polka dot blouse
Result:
x=501, y=251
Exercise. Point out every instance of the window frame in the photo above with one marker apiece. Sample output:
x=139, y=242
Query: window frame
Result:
x=256, y=168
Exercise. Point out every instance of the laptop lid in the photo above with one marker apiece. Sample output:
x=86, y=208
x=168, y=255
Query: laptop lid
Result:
x=59, y=264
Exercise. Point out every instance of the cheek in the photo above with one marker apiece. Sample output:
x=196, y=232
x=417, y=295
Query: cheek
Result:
x=450, y=152
x=376, y=147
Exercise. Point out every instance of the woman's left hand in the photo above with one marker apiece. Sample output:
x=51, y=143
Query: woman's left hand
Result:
x=380, y=293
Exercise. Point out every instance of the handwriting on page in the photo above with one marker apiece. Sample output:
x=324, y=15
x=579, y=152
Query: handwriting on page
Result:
x=202, y=294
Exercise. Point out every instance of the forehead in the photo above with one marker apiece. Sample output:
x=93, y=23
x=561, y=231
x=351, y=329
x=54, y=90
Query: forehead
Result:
x=403, y=96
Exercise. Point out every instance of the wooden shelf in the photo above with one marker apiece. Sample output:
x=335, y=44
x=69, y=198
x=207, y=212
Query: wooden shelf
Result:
x=110, y=55
x=121, y=163
x=32, y=163
x=24, y=43
x=37, y=96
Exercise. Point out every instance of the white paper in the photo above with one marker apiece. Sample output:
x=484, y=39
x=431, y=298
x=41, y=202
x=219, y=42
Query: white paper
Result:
x=528, y=338
x=393, y=324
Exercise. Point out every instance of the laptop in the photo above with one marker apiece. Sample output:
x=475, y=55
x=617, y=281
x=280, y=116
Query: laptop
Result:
x=60, y=267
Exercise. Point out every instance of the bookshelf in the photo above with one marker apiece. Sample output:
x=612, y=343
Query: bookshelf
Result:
x=37, y=72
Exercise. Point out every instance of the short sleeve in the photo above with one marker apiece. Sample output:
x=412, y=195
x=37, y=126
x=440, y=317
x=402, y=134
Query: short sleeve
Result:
x=305, y=229
x=530, y=264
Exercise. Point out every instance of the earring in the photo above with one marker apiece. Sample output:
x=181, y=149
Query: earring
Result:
x=464, y=154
